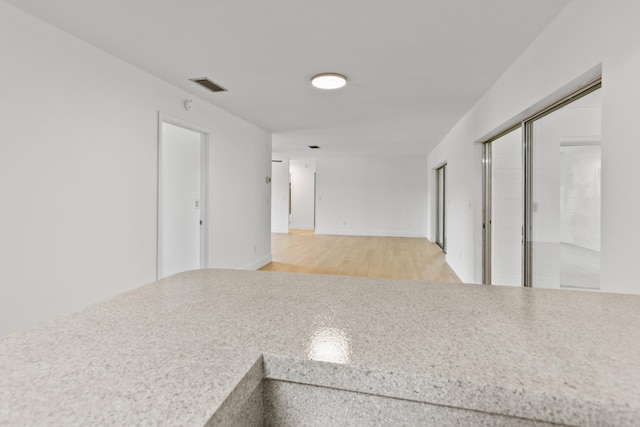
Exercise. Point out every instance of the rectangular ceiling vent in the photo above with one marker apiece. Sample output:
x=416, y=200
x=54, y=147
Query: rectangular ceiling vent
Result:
x=205, y=82
x=314, y=147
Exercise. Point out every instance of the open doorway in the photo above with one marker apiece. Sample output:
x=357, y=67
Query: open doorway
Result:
x=182, y=192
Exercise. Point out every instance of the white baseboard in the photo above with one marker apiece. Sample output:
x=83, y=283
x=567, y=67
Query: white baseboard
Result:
x=458, y=270
x=284, y=230
x=260, y=262
x=301, y=227
x=374, y=233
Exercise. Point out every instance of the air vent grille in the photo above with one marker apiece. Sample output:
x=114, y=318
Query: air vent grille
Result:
x=205, y=82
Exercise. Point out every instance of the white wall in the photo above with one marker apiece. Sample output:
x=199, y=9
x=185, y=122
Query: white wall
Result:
x=78, y=174
x=372, y=196
x=587, y=35
x=280, y=196
x=464, y=203
x=303, y=194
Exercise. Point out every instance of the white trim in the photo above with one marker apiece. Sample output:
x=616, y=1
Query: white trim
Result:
x=283, y=230
x=439, y=165
x=204, y=179
x=338, y=232
x=301, y=227
x=163, y=117
x=260, y=262
x=204, y=199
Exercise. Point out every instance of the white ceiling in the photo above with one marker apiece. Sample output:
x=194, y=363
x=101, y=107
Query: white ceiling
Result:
x=414, y=66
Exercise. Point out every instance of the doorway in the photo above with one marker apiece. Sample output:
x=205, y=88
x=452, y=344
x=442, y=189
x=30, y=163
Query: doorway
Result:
x=182, y=193
x=441, y=209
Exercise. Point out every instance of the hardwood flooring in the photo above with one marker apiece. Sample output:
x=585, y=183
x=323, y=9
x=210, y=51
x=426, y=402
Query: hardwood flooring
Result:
x=392, y=257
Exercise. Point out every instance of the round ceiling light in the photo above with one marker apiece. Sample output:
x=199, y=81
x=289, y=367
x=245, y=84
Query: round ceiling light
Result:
x=328, y=81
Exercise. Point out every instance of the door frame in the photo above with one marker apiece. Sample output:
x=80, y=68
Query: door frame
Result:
x=529, y=173
x=443, y=226
x=487, y=201
x=204, y=175
x=526, y=124
x=487, y=211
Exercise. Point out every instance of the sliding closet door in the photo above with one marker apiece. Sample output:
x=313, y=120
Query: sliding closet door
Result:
x=564, y=183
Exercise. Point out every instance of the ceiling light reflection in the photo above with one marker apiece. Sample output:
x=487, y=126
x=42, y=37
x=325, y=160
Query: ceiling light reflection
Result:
x=329, y=345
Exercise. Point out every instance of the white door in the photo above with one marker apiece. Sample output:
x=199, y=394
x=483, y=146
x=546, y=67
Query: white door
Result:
x=303, y=173
x=181, y=204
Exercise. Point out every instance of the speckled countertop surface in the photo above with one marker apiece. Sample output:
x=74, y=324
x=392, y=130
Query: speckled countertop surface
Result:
x=172, y=351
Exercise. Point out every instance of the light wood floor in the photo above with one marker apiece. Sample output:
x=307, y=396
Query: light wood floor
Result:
x=392, y=257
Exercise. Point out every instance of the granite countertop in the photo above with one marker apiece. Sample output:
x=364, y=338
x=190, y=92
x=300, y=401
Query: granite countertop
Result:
x=174, y=351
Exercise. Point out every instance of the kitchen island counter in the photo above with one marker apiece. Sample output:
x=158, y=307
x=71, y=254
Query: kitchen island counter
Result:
x=229, y=347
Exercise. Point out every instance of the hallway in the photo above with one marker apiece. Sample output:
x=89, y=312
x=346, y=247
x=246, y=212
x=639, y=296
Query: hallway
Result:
x=390, y=257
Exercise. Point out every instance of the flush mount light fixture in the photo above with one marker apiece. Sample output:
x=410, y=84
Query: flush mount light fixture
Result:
x=328, y=81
